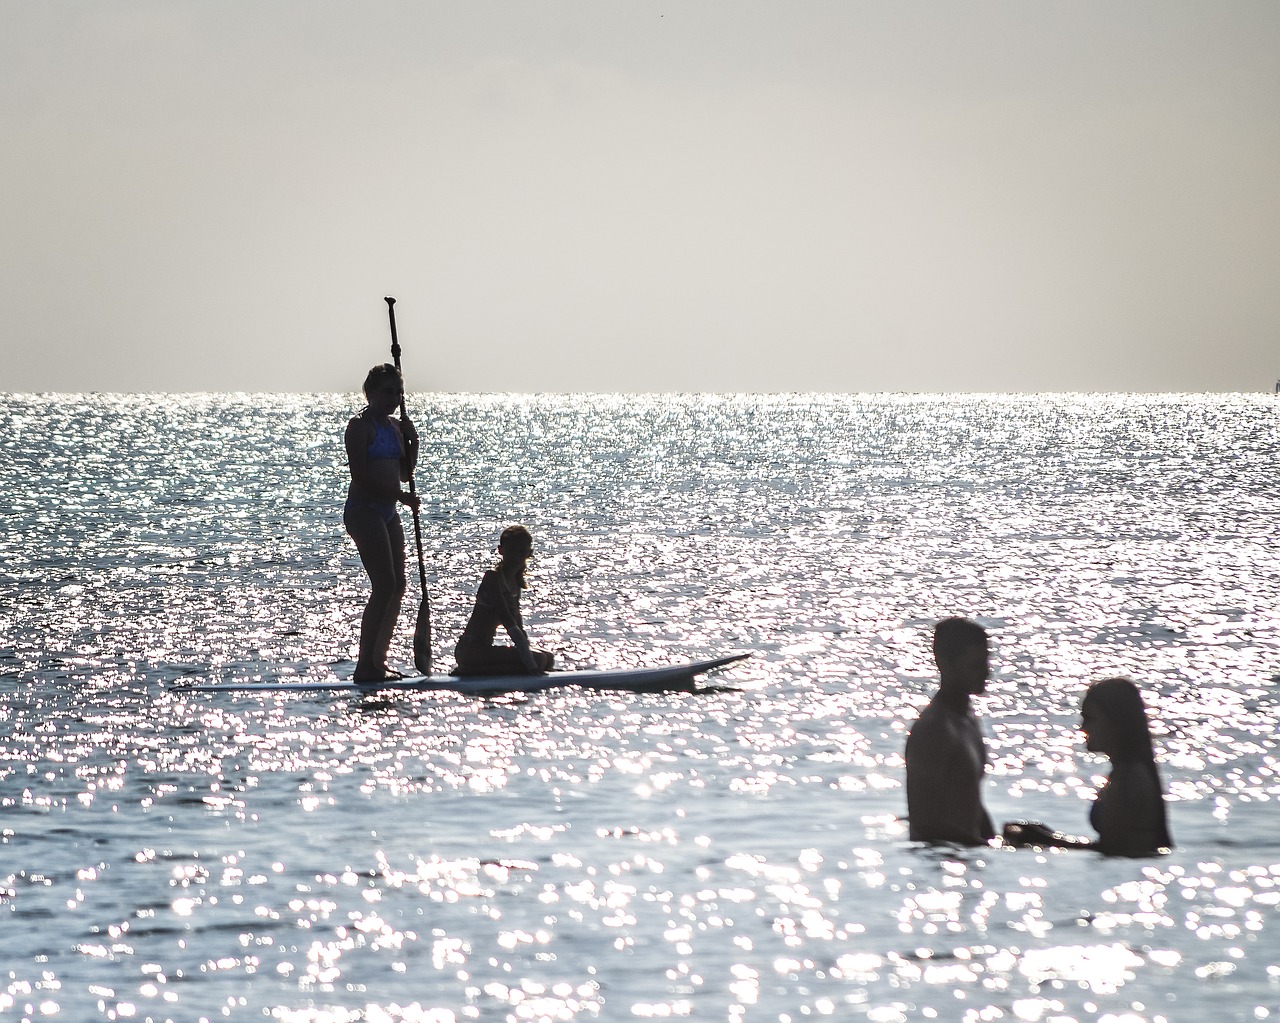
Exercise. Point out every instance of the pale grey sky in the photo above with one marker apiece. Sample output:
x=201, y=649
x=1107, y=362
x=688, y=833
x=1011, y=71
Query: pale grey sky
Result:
x=716, y=195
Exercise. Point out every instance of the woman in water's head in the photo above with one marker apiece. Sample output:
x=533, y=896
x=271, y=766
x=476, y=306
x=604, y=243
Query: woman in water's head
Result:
x=1114, y=721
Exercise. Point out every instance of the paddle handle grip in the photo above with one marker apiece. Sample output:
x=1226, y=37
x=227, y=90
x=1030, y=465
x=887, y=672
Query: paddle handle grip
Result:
x=395, y=340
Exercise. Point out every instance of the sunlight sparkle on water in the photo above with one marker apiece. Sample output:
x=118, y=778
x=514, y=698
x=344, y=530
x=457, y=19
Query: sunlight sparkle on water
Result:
x=735, y=852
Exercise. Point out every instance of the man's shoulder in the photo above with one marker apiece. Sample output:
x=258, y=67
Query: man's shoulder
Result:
x=940, y=723
x=937, y=714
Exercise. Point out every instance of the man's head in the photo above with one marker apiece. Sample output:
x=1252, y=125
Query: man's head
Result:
x=961, y=651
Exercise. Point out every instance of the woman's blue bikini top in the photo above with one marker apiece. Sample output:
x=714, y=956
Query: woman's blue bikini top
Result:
x=385, y=443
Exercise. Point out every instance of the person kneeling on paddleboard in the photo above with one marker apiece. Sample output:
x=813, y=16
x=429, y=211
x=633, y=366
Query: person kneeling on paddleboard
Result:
x=381, y=452
x=498, y=603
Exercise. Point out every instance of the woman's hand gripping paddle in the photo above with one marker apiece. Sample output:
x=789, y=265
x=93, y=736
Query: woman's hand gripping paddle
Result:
x=422, y=630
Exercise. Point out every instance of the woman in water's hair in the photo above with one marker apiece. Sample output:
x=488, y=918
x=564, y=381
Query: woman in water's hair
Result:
x=498, y=603
x=1129, y=812
x=381, y=453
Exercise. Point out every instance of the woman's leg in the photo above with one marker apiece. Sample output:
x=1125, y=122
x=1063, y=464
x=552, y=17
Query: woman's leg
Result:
x=395, y=536
x=381, y=547
x=488, y=660
x=498, y=660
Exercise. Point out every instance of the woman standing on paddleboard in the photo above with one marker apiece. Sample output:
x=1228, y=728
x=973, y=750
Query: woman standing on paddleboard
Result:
x=498, y=603
x=382, y=452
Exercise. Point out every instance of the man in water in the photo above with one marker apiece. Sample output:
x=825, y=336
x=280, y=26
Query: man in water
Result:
x=946, y=755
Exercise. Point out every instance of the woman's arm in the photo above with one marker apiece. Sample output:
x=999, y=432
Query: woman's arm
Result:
x=1128, y=815
x=409, y=439
x=1021, y=834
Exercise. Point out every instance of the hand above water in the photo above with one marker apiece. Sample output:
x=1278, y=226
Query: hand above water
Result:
x=1020, y=834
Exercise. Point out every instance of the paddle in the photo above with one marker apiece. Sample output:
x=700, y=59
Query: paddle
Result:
x=421, y=631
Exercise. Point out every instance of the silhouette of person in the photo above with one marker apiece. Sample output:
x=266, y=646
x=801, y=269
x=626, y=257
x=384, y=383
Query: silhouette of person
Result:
x=946, y=755
x=382, y=452
x=498, y=603
x=1128, y=813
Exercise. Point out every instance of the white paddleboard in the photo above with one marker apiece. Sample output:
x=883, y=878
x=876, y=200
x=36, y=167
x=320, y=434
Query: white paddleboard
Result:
x=670, y=676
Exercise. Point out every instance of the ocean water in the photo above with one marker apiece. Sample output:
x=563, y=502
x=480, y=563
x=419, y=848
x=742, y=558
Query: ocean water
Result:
x=734, y=853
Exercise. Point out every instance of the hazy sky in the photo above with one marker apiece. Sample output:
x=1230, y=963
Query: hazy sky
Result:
x=611, y=195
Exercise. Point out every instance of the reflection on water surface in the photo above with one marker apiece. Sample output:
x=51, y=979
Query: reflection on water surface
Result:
x=731, y=854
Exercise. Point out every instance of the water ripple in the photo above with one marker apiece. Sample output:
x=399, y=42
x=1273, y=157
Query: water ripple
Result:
x=732, y=853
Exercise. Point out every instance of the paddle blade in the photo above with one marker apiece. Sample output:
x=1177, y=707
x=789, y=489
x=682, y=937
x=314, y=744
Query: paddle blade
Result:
x=422, y=639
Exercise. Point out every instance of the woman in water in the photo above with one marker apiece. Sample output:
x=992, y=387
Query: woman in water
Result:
x=498, y=603
x=1128, y=813
x=382, y=452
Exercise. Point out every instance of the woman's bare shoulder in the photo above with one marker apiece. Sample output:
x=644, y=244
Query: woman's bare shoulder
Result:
x=357, y=422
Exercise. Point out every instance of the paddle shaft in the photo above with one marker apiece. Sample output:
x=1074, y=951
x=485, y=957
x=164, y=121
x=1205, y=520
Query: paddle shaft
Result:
x=424, y=614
